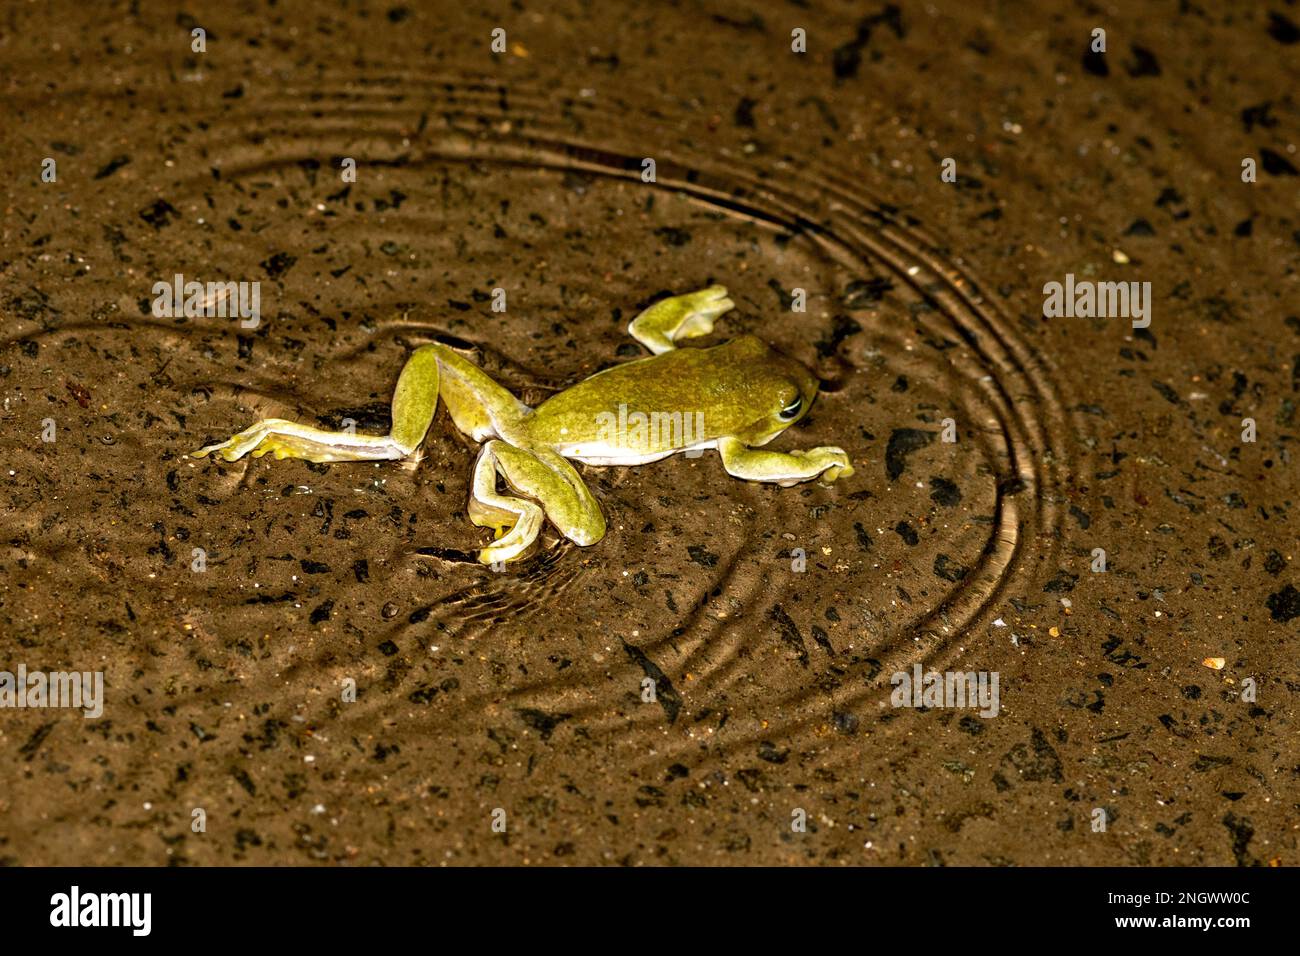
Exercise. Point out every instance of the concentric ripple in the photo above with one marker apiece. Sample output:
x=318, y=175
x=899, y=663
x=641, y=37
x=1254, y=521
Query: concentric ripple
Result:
x=464, y=187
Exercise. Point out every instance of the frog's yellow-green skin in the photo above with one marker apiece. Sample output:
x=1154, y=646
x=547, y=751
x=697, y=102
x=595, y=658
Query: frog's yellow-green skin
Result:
x=731, y=397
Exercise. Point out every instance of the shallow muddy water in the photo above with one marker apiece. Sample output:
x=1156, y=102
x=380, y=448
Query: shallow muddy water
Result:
x=770, y=621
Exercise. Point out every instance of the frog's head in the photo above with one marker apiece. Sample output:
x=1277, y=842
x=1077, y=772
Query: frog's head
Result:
x=783, y=391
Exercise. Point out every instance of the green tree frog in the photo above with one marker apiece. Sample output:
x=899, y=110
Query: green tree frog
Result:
x=731, y=397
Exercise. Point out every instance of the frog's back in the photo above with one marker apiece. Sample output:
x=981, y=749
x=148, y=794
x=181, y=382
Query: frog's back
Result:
x=709, y=391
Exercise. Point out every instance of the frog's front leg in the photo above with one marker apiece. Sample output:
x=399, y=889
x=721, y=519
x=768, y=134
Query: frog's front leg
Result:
x=680, y=317
x=553, y=489
x=783, y=468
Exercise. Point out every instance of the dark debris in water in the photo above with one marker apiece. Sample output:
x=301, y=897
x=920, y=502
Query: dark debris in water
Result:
x=847, y=58
x=902, y=443
x=278, y=264
x=702, y=556
x=944, y=492
x=666, y=694
x=842, y=326
x=865, y=293
x=375, y=418
x=112, y=166
x=1284, y=605
x=788, y=631
x=949, y=570
x=1062, y=583
x=543, y=723
x=159, y=213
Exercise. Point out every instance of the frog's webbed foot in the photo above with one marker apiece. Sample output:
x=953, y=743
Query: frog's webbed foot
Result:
x=553, y=489
x=783, y=468
x=681, y=317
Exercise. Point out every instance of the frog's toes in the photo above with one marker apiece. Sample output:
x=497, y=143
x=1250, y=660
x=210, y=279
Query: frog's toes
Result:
x=711, y=293
x=702, y=308
x=255, y=439
x=837, y=463
x=231, y=450
x=270, y=445
x=512, y=542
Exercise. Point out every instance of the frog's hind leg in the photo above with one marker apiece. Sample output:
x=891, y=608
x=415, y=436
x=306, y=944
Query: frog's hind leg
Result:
x=478, y=406
x=286, y=439
x=553, y=489
x=681, y=317
x=414, y=401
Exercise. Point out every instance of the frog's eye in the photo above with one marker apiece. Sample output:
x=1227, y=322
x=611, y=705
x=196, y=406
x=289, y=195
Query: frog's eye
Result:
x=791, y=411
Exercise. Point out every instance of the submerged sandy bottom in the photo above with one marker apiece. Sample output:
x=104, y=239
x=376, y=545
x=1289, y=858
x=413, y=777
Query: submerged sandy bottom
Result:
x=769, y=620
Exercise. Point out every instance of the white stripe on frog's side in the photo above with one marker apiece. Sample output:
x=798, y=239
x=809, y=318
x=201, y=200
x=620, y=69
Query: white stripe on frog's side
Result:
x=601, y=453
